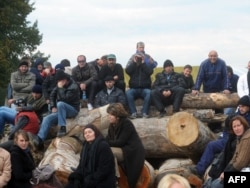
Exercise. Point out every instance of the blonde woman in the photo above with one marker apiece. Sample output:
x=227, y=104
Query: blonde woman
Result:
x=173, y=181
x=22, y=161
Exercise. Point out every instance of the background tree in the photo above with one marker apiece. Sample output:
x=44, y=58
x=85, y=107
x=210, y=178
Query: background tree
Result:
x=18, y=37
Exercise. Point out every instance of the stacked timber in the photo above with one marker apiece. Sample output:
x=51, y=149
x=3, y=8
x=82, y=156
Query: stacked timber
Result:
x=182, y=135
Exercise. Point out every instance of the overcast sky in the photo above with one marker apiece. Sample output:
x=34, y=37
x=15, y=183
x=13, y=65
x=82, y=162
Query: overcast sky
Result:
x=181, y=30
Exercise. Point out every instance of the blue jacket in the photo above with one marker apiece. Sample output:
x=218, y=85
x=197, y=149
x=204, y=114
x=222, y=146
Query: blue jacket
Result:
x=213, y=76
x=233, y=80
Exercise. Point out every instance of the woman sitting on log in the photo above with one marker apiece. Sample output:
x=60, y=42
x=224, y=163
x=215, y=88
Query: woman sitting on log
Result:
x=240, y=158
x=125, y=143
x=22, y=162
x=96, y=167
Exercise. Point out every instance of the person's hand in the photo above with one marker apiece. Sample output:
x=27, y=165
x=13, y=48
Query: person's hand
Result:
x=47, y=71
x=61, y=83
x=195, y=92
x=54, y=109
x=47, y=101
x=83, y=86
x=221, y=176
x=10, y=101
x=115, y=77
x=226, y=91
x=166, y=93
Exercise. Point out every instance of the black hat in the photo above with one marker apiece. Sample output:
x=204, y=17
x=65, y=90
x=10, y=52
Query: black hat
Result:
x=245, y=101
x=37, y=89
x=168, y=63
x=61, y=75
x=59, y=67
x=108, y=78
x=23, y=63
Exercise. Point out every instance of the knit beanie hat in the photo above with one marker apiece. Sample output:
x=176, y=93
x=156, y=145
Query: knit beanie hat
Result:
x=245, y=101
x=37, y=89
x=23, y=63
x=168, y=63
x=61, y=75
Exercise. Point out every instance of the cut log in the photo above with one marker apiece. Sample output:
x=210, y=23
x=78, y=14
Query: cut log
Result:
x=152, y=132
x=63, y=154
x=188, y=134
x=177, y=166
x=210, y=100
x=146, y=178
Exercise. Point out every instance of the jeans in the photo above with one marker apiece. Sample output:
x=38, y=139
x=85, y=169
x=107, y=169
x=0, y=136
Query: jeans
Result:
x=217, y=183
x=161, y=101
x=133, y=94
x=64, y=111
x=7, y=115
x=212, y=148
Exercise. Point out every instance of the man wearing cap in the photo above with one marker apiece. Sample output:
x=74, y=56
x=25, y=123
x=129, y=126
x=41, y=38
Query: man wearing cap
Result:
x=148, y=60
x=21, y=82
x=64, y=103
x=139, y=85
x=115, y=70
x=110, y=94
x=168, y=88
x=85, y=76
x=35, y=103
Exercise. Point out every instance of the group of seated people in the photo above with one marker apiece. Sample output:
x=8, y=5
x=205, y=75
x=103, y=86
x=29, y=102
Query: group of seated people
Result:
x=46, y=96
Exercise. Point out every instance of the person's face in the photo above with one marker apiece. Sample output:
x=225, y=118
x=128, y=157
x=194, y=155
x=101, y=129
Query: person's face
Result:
x=112, y=119
x=187, y=72
x=111, y=62
x=89, y=135
x=140, y=48
x=177, y=185
x=213, y=56
x=81, y=61
x=23, y=68
x=36, y=95
x=237, y=127
x=109, y=84
x=243, y=109
x=21, y=142
x=168, y=69
x=39, y=68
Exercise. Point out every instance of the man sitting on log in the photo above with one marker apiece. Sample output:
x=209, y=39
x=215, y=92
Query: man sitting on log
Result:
x=110, y=94
x=65, y=103
x=168, y=88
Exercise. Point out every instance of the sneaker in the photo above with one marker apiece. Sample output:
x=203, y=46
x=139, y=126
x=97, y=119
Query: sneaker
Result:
x=90, y=107
x=144, y=115
x=133, y=116
x=62, y=131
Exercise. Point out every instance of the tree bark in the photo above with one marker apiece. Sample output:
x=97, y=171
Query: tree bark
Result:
x=210, y=100
x=180, y=167
x=189, y=135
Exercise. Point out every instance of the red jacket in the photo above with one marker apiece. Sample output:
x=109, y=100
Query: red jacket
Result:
x=33, y=124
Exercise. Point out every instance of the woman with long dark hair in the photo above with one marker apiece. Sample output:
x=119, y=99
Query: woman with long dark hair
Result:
x=125, y=143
